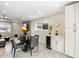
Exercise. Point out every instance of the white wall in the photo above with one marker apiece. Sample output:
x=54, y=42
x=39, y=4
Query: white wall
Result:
x=50, y=20
x=16, y=28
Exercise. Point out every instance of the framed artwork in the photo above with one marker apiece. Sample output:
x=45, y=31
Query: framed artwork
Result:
x=41, y=26
x=38, y=26
x=45, y=26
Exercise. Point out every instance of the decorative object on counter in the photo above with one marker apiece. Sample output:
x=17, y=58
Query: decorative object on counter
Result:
x=56, y=33
x=50, y=29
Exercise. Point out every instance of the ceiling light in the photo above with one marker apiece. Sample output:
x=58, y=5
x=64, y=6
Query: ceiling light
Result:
x=6, y=4
x=30, y=16
x=23, y=18
x=56, y=5
x=1, y=17
x=39, y=12
x=5, y=17
x=4, y=11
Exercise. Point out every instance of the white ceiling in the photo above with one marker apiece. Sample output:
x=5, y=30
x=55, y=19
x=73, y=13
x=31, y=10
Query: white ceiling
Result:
x=28, y=10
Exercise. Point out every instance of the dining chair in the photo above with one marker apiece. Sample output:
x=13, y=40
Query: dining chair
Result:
x=34, y=42
x=16, y=46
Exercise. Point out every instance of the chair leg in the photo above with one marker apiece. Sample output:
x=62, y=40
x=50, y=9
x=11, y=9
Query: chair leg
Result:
x=37, y=48
x=22, y=48
x=31, y=51
x=14, y=52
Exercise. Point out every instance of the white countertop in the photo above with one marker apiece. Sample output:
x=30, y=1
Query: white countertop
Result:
x=49, y=35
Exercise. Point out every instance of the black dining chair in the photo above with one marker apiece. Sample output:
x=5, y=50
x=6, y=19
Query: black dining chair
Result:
x=16, y=46
x=7, y=39
x=34, y=42
x=0, y=36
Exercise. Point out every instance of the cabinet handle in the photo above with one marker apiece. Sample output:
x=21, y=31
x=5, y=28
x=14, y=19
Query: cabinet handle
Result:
x=74, y=27
x=56, y=42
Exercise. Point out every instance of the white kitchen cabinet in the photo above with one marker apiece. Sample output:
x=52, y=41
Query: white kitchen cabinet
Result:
x=77, y=31
x=58, y=44
x=70, y=30
x=53, y=43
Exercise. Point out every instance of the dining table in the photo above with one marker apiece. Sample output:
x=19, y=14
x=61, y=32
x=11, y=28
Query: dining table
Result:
x=26, y=42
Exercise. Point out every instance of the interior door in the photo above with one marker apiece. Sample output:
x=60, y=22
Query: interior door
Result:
x=70, y=30
x=77, y=30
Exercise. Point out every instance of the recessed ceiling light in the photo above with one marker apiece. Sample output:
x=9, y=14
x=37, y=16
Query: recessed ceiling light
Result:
x=7, y=4
x=56, y=5
x=5, y=17
x=39, y=12
x=4, y=11
x=30, y=16
x=23, y=18
x=1, y=17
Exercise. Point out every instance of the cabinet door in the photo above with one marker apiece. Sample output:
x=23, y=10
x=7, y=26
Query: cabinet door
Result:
x=77, y=30
x=60, y=45
x=70, y=30
x=53, y=43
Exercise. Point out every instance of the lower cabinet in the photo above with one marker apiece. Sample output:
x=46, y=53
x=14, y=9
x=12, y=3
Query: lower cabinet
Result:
x=57, y=44
x=53, y=44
